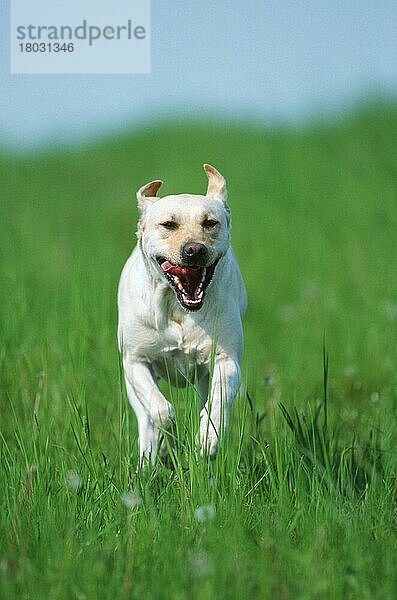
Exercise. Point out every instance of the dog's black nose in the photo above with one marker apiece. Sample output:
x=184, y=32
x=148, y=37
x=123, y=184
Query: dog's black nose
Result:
x=194, y=254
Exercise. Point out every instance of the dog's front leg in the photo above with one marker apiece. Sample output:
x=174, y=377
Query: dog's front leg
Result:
x=215, y=415
x=152, y=410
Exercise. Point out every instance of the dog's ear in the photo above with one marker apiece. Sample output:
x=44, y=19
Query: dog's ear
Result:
x=216, y=184
x=147, y=194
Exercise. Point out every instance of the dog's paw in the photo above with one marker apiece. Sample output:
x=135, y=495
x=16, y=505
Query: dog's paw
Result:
x=208, y=437
x=162, y=414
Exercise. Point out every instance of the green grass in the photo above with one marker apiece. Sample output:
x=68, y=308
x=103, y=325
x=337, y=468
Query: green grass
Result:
x=303, y=497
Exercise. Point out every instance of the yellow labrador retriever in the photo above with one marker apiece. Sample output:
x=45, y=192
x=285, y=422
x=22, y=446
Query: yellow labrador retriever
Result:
x=181, y=299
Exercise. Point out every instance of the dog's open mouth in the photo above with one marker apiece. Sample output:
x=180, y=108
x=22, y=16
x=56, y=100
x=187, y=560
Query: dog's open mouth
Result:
x=189, y=283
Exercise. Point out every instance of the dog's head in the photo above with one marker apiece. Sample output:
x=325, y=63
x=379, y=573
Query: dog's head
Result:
x=184, y=236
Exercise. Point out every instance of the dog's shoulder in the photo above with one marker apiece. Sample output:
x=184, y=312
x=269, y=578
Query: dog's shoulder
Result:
x=230, y=284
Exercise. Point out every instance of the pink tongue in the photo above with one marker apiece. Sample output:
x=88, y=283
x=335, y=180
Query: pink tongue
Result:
x=189, y=276
x=178, y=270
x=167, y=266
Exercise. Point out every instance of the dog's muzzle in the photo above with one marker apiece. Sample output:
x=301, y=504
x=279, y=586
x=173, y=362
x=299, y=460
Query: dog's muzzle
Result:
x=194, y=254
x=189, y=282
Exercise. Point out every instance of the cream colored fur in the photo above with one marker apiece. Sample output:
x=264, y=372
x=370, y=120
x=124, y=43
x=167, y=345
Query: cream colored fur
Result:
x=158, y=337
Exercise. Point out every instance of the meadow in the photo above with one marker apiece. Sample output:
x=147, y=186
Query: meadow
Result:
x=302, y=499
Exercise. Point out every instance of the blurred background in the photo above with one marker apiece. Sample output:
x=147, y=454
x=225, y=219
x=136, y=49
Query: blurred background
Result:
x=295, y=103
x=263, y=60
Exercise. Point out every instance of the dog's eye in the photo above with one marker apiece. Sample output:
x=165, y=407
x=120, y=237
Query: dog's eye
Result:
x=169, y=225
x=209, y=223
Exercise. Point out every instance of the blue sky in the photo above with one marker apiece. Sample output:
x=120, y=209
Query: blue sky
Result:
x=269, y=60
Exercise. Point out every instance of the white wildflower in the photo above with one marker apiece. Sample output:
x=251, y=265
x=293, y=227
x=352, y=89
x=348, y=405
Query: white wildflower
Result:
x=131, y=499
x=73, y=481
x=204, y=513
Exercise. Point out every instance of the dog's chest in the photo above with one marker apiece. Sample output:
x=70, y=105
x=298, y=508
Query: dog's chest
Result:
x=184, y=345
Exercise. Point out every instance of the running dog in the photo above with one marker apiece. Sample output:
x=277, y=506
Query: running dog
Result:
x=181, y=300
